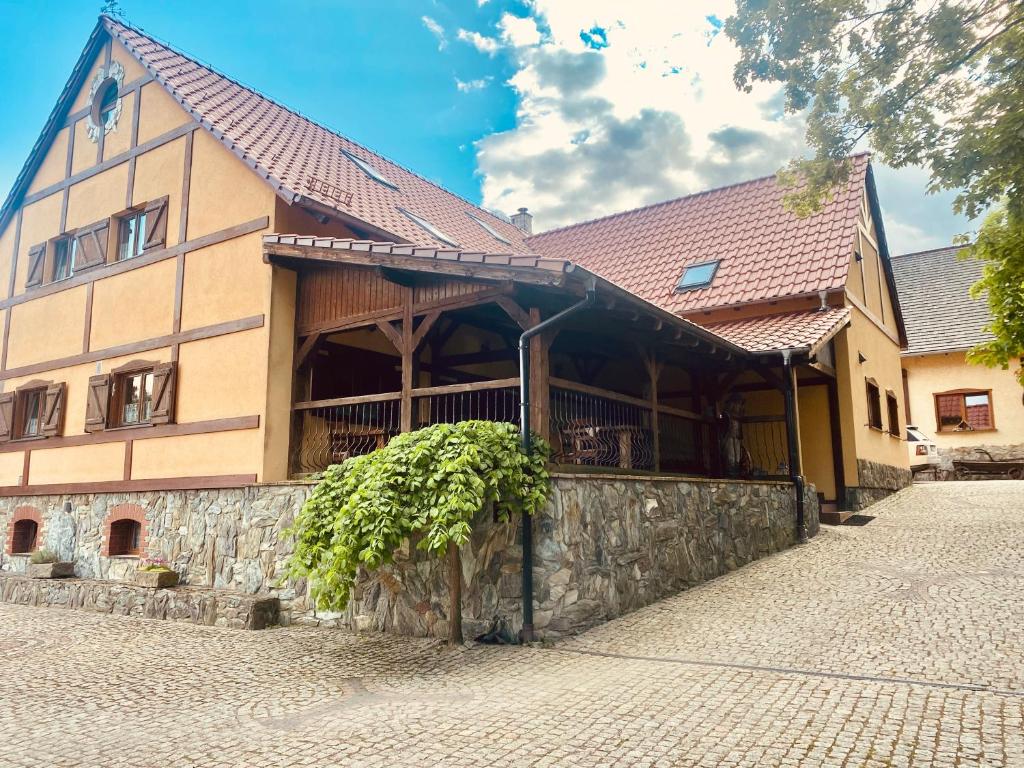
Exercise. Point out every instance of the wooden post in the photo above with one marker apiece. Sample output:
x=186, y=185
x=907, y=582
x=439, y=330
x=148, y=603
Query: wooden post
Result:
x=653, y=374
x=407, y=350
x=540, y=393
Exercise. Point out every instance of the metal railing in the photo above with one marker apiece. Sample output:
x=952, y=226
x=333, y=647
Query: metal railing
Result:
x=488, y=400
x=596, y=430
x=330, y=431
x=764, y=437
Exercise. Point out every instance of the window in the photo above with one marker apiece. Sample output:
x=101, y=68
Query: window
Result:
x=23, y=538
x=104, y=103
x=30, y=403
x=874, y=405
x=697, y=276
x=489, y=229
x=65, y=251
x=124, y=539
x=369, y=170
x=894, y=413
x=136, y=397
x=131, y=235
x=964, y=411
x=434, y=231
x=138, y=393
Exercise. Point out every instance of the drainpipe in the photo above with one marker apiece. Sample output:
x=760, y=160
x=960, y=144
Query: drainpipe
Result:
x=795, y=475
x=526, y=636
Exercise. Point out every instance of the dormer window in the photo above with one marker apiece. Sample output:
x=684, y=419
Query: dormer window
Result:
x=434, y=231
x=697, y=276
x=369, y=170
x=489, y=229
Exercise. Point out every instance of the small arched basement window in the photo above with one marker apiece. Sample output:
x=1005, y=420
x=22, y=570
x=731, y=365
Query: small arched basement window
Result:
x=125, y=535
x=23, y=540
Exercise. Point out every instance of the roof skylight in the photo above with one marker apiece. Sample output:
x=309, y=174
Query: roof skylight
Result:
x=434, y=231
x=490, y=230
x=369, y=170
x=697, y=276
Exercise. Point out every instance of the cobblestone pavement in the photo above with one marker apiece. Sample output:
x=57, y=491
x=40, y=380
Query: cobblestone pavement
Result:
x=894, y=644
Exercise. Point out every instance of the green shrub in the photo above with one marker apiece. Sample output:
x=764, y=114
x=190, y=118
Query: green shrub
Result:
x=430, y=482
x=41, y=556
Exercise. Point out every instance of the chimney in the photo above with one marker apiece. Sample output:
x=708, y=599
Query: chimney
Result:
x=523, y=220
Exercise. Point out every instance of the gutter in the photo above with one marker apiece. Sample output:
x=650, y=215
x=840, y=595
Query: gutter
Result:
x=526, y=635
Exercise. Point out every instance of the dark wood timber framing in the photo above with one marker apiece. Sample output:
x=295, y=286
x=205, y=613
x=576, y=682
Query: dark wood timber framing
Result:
x=194, y=334
x=117, y=267
x=120, y=486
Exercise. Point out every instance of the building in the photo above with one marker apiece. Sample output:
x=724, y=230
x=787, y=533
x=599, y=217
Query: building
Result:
x=206, y=290
x=961, y=406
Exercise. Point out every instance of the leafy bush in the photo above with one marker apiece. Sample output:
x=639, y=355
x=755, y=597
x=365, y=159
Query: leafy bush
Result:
x=41, y=556
x=430, y=482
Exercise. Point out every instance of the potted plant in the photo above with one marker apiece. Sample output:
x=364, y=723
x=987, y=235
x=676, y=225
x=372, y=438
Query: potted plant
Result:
x=156, y=574
x=44, y=564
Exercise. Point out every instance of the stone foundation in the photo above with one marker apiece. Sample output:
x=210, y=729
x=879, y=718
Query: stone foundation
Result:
x=604, y=545
x=214, y=608
x=876, y=482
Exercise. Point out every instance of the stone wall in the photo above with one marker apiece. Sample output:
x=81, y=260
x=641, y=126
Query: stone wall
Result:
x=875, y=482
x=228, y=538
x=997, y=452
x=604, y=545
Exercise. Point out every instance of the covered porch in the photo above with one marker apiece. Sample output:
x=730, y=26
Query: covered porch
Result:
x=391, y=338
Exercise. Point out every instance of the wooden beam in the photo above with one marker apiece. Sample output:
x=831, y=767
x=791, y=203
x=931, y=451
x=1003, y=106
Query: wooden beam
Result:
x=653, y=374
x=540, y=378
x=408, y=350
x=120, y=486
x=516, y=312
x=477, y=358
x=306, y=349
x=389, y=330
x=425, y=325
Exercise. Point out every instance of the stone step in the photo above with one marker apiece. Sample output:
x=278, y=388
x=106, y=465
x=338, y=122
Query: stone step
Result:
x=834, y=516
x=196, y=605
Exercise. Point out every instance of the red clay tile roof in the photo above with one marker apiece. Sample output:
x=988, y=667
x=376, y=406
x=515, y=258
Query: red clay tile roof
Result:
x=765, y=251
x=301, y=158
x=791, y=330
x=426, y=252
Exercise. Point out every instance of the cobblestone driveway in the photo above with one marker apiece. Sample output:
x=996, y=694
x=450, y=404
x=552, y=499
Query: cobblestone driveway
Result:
x=894, y=644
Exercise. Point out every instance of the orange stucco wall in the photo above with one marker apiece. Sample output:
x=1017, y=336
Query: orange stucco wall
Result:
x=233, y=374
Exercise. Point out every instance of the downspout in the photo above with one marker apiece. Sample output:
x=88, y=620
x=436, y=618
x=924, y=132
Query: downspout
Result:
x=526, y=636
x=792, y=443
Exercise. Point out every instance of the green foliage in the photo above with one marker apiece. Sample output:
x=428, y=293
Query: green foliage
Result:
x=1000, y=245
x=41, y=556
x=933, y=84
x=429, y=483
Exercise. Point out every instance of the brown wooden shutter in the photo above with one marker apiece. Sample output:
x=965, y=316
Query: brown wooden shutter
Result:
x=6, y=416
x=53, y=413
x=164, y=376
x=156, y=224
x=97, y=405
x=36, y=263
x=92, y=245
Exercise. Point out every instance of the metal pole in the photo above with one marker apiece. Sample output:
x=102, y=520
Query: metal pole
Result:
x=795, y=470
x=526, y=635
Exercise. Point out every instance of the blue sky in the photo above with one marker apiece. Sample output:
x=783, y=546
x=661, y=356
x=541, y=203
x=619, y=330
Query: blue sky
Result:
x=576, y=108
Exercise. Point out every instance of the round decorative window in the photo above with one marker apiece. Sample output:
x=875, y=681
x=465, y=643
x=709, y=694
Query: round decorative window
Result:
x=105, y=102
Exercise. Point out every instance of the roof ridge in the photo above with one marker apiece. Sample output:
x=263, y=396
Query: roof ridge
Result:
x=660, y=203
x=953, y=247
x=199, y=62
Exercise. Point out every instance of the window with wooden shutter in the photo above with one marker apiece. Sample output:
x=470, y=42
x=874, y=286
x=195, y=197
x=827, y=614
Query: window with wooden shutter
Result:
x=92, y=245
x=98, y=403
x=53, y=410
x=29, y=410
x=164, y=376
x=874, y=404
x=156, y=224
x=6, y=416
x=36, y=265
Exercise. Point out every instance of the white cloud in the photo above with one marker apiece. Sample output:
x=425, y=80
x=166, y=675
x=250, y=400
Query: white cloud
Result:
x=465, y=86
x=482, y=43
x=624, y=104
x=437, y=31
